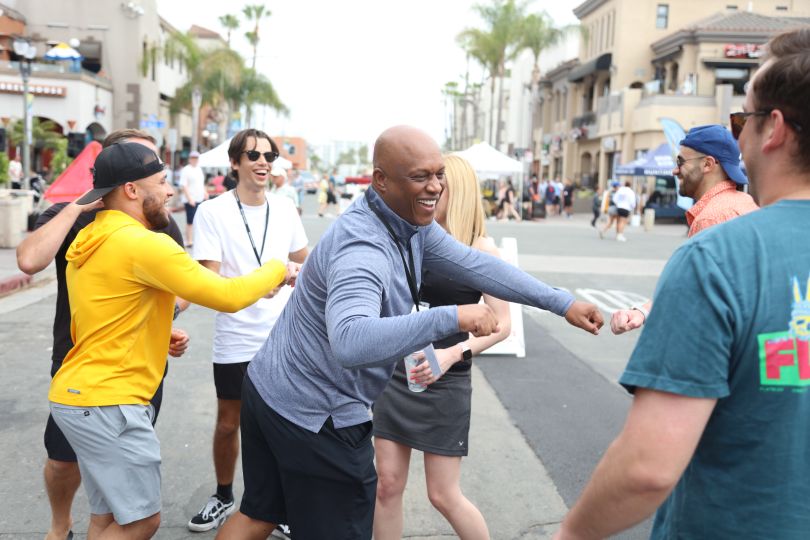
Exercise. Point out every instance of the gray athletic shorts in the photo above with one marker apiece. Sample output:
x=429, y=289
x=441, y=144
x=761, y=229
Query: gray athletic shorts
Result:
x=119, y=457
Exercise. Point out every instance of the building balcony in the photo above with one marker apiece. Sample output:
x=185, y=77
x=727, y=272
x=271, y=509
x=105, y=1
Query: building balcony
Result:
x=63, y=70
x=583, y=120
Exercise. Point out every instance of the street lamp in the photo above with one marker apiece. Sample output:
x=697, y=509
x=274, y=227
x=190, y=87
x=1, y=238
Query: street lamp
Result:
x=196, y=101
x=26, y=51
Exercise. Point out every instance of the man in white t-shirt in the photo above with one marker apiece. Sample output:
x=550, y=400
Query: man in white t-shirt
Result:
x=234, y=234
x=625, y=200
x=192, y=186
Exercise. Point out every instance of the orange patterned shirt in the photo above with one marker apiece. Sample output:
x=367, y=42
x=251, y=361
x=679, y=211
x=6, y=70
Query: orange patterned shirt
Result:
x=721, y=203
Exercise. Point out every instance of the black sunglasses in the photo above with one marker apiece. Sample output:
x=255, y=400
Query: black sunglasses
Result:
x=253, y=155
x=737, y=121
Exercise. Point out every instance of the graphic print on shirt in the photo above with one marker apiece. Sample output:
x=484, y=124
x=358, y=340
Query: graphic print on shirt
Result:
x=784, y=357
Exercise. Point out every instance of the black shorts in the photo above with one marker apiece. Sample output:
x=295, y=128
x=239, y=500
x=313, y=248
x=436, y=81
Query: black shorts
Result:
x=322, y=485
x=622, y=212
x=58, y=447
x=190, y=211
x=228, y=379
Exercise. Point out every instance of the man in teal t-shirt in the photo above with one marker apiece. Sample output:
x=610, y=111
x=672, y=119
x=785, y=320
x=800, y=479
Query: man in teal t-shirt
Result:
x=717, y=438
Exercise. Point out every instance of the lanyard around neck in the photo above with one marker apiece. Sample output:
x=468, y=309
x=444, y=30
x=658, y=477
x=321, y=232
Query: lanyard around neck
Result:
x=410, y=272
x=247, y=227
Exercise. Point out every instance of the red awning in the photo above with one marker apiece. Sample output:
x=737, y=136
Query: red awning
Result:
x=77, y=178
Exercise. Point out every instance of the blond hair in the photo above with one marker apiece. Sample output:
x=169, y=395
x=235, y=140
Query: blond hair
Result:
x=465, y=213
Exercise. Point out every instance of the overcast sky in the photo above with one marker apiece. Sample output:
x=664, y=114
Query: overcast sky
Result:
x=349, y=69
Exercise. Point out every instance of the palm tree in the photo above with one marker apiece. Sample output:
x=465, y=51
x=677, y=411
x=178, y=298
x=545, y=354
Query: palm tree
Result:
x=230, y=23
x=254, y=13
x=539, y=33
x=256, y=89
x=497, y=44
x=44, y=134
x=481, y=47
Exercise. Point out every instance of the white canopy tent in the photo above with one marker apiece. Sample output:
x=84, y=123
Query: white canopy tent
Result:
x=489, y=162
x=217, y=158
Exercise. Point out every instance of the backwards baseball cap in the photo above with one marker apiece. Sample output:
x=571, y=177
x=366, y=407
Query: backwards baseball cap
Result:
x=194, y=154
x=716, y=141
x=118, y=164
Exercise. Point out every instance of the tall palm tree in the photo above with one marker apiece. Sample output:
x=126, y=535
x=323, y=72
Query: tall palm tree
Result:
x=254, y=13
x=256, y=89
x=538, y=34
x=229, y=22
x=504, y=24
x=481, y=47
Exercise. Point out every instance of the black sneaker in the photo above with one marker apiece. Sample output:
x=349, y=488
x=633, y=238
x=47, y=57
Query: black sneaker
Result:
x=212, y=515
x=282, y=531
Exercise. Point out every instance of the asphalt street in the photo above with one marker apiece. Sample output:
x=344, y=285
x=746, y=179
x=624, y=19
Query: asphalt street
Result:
x=540, y=423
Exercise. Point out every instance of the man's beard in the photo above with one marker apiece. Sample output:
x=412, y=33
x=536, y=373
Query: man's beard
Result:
x=155, y=212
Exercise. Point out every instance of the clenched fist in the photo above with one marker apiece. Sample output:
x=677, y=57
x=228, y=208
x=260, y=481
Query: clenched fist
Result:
x=586, y=316
x=477, y=319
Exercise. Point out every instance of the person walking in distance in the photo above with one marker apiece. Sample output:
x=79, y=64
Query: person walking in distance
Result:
x=236, y=233
x=307, y=455
x=437, y=421
x=54, y=232
x=192, y=185
x=716, y=436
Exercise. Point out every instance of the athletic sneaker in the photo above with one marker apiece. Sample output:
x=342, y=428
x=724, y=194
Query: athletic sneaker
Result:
x=212, y=515
x=621, y=238
x=282, y=531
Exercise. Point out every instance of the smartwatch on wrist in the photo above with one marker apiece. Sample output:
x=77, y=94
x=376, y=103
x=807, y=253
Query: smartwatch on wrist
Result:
x=466, y=352
x=643, y=312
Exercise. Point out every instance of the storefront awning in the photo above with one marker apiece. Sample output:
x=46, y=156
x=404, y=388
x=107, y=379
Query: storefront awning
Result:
x=600, y=63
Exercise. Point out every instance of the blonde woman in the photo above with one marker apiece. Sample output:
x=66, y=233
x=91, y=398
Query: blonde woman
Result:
x=437, y=421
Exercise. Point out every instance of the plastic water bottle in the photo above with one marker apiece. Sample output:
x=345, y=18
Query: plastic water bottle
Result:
x=410, y=363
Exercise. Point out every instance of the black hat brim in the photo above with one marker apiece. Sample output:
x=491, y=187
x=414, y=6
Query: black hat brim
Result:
x=95, y=195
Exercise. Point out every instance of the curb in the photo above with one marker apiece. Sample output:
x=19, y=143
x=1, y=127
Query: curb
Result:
x=14, y=283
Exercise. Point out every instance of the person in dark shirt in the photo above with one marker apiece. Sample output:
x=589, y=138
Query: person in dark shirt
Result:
x=54, y=232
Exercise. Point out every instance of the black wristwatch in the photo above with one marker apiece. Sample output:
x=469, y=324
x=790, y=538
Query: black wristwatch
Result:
x=466, y=352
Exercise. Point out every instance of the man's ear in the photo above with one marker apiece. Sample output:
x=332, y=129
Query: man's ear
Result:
x=130, y=191
x=775, y=132
x=379, y=181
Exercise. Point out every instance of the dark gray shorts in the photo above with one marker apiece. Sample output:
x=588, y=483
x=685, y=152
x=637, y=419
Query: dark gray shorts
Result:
x=119, y=457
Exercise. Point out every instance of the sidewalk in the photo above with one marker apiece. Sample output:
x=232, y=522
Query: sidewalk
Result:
x=12, y=279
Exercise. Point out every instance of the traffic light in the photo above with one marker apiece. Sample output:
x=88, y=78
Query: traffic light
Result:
x=76, y=142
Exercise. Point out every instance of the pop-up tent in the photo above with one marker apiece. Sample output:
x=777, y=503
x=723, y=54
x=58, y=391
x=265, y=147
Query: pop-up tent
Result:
x=77, y=178
x=489, y=162
x=217, y=158
x=656, y=162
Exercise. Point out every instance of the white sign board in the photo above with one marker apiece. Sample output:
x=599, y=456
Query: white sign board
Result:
x=515, y=344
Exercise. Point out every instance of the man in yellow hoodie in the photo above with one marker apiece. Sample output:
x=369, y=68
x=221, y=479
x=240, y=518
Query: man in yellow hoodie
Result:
x=122, y=280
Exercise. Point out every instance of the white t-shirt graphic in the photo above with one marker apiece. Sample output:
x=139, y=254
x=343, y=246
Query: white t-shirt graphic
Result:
x=220, y=235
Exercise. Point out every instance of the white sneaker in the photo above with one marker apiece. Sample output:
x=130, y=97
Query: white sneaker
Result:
x=621, y=238
x=212, y=515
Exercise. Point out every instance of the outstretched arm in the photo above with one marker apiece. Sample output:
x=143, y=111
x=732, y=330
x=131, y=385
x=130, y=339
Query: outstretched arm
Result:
x=39, y=248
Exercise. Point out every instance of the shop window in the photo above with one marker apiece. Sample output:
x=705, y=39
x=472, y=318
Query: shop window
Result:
x=662, y=16
x=736, y=77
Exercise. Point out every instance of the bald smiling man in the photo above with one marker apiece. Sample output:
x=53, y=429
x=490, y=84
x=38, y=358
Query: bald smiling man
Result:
x=306, y=426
